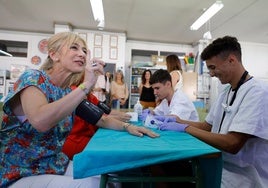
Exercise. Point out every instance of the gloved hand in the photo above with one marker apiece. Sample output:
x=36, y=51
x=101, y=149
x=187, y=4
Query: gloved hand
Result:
x=165, y=118
x=144, y=114
x=173, y=126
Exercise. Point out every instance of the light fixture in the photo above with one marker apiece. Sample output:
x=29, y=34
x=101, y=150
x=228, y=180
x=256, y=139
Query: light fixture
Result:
x=101, y=25
x=5, y=53
x=207, y=35
x=97, y=9
x=211, y=11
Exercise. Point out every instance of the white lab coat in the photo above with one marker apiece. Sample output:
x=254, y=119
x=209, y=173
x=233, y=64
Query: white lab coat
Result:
x=248, y=114
x=180, y=105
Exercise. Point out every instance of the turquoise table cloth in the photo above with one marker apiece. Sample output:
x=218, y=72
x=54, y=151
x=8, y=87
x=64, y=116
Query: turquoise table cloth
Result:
x=111, y=151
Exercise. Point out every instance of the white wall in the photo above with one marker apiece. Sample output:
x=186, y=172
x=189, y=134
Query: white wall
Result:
x=255, y=56
x=32, y=39
x=255, y=59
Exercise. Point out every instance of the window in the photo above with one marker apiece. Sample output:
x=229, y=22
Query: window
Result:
x=13, y=48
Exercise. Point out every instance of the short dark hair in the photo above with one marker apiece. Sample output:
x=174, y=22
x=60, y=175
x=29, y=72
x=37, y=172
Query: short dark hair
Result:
x=160, y=76
x=222, y=47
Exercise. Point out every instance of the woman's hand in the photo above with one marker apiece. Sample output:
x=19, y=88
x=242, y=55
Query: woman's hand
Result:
x=140, y=131
x=92, y=69
x=122, y=101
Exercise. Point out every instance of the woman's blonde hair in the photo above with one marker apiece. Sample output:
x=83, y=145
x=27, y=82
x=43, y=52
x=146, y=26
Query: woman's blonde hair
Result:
x=122, y=76
x=55, y=44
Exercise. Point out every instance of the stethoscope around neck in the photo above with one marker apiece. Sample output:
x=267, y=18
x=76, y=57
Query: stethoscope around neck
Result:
x=226, y=106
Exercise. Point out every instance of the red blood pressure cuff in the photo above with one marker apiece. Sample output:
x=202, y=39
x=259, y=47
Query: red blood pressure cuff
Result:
x=89, y=112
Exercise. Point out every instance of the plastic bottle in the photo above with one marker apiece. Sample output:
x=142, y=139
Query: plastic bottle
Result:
x=138, y=109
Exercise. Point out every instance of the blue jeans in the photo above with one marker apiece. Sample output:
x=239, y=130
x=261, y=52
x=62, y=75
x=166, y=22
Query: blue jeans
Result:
x=114, y=104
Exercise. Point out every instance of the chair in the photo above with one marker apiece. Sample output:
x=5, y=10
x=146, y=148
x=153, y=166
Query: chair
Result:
x=142, y=178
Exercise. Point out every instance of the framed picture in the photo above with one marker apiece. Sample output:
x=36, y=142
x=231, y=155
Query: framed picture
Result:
x=83, y=36
x=36, y=60
x=42, y=46
x=113, y=53
x=113, y=41
x=98, y=40
x=97, y=52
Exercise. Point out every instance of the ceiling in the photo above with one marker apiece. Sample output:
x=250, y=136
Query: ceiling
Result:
x=165, y=21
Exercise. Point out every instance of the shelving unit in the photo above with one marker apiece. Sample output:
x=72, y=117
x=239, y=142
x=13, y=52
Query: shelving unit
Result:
x=142, y=60
x=4, y=76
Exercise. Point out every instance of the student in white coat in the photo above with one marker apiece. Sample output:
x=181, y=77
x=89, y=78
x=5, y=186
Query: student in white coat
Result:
x=237, y=123
x=174, y=103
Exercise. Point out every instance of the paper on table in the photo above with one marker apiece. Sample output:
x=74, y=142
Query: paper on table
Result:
x=134, y=116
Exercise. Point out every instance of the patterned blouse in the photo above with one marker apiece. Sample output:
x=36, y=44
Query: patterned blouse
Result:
x=24, y=151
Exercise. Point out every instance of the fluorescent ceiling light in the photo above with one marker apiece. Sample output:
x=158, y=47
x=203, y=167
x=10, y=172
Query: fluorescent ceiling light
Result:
x=5, y=53
x=97, y=9
x=211, y=11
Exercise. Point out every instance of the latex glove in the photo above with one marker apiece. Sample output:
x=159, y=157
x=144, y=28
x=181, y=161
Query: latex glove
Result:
x=173, y=126
x=165, y=118
x=144, y=114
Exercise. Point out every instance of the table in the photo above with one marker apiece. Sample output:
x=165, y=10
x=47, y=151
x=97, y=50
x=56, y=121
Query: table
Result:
x=112, y=151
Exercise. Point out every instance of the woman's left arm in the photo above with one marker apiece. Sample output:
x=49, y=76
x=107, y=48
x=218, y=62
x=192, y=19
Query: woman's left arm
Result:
x=111, y=123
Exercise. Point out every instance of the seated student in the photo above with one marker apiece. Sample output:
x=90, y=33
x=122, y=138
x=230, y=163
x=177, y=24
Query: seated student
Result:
x=174, y=103
x=237, y=123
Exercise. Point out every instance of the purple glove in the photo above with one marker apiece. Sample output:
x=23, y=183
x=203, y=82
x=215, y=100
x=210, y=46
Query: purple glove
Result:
x=173, y=126
x=144, y=114
x=165, y=119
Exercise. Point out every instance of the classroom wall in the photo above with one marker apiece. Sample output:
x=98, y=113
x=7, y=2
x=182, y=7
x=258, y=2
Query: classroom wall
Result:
x=255, y=59
x=255, y=55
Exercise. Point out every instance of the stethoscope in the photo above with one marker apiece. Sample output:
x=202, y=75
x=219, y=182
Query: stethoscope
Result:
x=226, y=107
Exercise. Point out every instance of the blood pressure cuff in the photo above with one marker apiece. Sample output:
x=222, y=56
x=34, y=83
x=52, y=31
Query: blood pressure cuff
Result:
x=89, y=112
x=106, y=109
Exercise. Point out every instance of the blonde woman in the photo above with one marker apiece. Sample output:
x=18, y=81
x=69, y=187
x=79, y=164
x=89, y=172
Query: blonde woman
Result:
x=38, y=116
x=119, y=90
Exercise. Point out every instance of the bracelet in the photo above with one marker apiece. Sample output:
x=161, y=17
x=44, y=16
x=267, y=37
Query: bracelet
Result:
x=126, y=125
x=83, y=88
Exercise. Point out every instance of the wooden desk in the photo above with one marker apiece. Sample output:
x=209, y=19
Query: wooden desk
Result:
x=112, y=151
